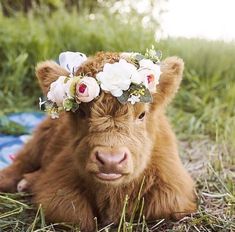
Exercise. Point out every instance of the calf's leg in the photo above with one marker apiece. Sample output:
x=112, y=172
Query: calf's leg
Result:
x=25, y=184
x=27, y=160
x=62, y=194
x=173, y=195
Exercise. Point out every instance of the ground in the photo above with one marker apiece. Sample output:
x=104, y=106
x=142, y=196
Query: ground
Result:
x=208, y=163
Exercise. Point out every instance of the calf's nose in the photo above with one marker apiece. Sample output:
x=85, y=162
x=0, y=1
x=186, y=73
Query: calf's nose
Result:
x=111, y=159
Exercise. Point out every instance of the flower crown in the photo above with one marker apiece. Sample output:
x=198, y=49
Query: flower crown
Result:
x=132, y=79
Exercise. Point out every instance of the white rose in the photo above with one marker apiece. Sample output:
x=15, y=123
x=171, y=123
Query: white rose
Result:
x=57, y=91
x=87, y=89
x=71, y=61
x=150, y=74
x=118, y=76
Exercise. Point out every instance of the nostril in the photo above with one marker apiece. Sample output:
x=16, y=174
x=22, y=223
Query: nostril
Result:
x=98, y=157
x=123, y=159
x=111, y=158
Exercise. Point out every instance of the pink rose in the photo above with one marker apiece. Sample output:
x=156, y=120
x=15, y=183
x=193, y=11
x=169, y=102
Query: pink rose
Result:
x=87, y=89
x=150, y=73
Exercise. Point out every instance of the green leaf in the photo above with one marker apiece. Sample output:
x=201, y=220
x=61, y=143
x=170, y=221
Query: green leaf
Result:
x=68, y=104
x=72, y=88
x=66, y=80
x=48, y=105
x=139, y=57
x=153, y=55
x=147, y=97
x=124, y=97
x=137, y=90
x=159, y=55
x=75, y=107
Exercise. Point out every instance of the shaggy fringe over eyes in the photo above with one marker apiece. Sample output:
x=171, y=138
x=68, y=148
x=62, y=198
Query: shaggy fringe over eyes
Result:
x=107, y=113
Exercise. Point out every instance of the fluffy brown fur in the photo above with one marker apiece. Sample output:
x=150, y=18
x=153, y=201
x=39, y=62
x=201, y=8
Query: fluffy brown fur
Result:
x=58, y=165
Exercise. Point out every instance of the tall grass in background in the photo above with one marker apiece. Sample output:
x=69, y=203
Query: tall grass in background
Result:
x=25, y=40
x=206, y=102
x=204, y=105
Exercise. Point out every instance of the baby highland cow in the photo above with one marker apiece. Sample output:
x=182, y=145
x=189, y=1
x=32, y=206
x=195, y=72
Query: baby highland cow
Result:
x=84, y=163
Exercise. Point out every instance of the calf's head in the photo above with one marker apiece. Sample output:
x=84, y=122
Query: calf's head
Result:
x=111, y=142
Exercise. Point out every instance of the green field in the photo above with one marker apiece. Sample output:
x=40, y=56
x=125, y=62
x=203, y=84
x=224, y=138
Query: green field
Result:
x=203, y=113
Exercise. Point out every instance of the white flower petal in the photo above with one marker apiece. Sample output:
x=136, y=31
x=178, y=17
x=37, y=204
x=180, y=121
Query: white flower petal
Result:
x=117, y=77
x=93, y=89
x=107, y=67
x=102, y=86
x=71, y=61
x=133, y=99
x=57, y=91
x=116, y=92
x=136, y=78
x=146, y=63
x=147, y=68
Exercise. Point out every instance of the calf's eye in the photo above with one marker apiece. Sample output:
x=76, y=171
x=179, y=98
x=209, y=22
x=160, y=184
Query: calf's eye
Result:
x=141, y=116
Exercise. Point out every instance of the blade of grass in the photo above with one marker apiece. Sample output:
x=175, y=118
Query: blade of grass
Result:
x=14, y=201
x=123, y=214
x=137, y=202
x=11, y=213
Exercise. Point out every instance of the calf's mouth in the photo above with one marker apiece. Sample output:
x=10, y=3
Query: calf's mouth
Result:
x=109, y=164
x=108, y=176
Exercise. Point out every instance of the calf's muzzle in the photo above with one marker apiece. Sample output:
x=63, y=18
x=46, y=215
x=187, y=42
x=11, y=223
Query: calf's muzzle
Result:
x=111, y=162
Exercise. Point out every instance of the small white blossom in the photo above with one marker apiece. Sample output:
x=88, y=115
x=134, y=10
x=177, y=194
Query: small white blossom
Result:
x=54, y=115
x=133, y=99
x=151, y=51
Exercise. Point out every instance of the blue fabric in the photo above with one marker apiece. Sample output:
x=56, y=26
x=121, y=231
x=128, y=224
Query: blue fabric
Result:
x=10, y=144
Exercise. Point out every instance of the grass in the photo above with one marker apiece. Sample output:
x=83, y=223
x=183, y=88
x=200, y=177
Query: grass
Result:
x=207, y=161
x=203, y=113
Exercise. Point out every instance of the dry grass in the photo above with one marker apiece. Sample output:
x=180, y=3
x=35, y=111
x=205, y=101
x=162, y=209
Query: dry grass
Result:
x=210, y=163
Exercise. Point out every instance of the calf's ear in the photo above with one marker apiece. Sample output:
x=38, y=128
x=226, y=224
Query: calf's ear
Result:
x=172, y=71
x=47, y=72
